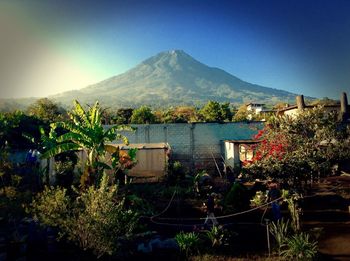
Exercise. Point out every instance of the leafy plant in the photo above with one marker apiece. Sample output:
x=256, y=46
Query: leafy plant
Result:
x=140, y=205
x=188, y=242
x=280, y=231
x=142, y=115
x=176, y=173
x=296, y=149
x=86, y=132
x=258, y=199
x=299, y=247
x=237, y=198
x=94, y=220
x=292, y=201
x=197, y=180
x=216, y=112
x=51, y=207
x=216, y=235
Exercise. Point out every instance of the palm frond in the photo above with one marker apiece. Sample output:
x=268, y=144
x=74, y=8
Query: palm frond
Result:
x=123, y=138
x=59, y=149
x=94, y=113
x=75, y=138
x=74, y=128
x=111, y=148
x=102, y=165
x=81, y=113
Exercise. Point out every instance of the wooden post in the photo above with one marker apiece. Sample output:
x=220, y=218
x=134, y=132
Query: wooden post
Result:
x=344, y=110
x=268, y=236
x=192, y=146
x=236, y=160
x=300, y=102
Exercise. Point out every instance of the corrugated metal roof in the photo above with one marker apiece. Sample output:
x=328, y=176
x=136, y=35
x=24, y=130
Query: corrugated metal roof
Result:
x=242, y=141
x=146, y=146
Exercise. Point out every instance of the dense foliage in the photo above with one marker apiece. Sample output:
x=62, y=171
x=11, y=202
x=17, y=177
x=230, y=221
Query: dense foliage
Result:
x=15, y=126
x=86, y=133
x=296, y=149
x=216, y=112
x=142, y=115
x=94, y=220
x=46, y=110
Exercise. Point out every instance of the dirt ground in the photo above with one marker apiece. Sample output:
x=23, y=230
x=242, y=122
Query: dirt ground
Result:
x=335, y=242
x=332, y=213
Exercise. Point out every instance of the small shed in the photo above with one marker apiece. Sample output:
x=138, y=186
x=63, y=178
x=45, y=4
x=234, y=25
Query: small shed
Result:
x=237, y=151
x=152, y=161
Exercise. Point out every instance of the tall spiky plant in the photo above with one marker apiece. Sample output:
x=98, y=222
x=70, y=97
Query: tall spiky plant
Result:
x=85, y=132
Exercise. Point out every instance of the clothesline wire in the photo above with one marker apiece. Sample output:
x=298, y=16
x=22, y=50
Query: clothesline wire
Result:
x=265, y=205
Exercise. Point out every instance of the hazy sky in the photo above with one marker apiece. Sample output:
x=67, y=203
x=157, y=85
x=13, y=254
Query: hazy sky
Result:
x=51, y=46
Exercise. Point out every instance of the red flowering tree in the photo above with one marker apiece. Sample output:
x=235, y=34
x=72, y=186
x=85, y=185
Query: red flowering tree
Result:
x=299, y=148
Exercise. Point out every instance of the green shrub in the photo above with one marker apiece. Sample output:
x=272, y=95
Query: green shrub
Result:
x=299, y=247
x=280, y=231
x=237, y=198
x=176, y=173
x=216, y=236
x=188, y=243
x=259, y=199
x=294, y=209
x=51, y=207
x=94, y=220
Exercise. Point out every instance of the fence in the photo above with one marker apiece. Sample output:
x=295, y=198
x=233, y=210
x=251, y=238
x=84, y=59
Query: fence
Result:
x=195, y=145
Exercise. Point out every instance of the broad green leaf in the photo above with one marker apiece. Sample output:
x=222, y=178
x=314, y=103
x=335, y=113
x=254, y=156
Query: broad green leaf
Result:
x=59, y=149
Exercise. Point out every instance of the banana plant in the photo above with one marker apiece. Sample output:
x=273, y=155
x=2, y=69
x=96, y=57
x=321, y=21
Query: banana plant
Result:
x=85, y=132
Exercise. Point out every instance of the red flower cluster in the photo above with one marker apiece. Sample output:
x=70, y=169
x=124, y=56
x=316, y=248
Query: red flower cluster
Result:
x=259, y=134
x=268, y=148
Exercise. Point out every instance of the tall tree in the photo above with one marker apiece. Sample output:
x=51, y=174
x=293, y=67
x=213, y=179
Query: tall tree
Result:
x=123, y=116
x=143, y=115
x=46, y=110
x=241, y=114
x=215, y=112
x=186, y=114
x=15, y=126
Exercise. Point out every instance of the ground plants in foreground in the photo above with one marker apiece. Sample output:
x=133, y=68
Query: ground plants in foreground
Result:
x=299, y=247
x=94, y=220
x=294, y=210
x=216, y=235
x=280, y=231
x=188, y=243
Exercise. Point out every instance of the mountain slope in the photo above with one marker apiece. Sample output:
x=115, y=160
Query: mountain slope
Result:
x=173, y=78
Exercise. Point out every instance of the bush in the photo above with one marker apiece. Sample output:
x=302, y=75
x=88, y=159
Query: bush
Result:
x=216, y=236
x=176, y=173
x=237, y=198
x=188, y=242
x=280, y=231
x=299, y=247
x=51, y=207
x=259, y=199
x=94, y=220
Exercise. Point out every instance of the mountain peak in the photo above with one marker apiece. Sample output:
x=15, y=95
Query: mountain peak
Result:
x=177, y=52
x=174, y=77
x=172, y=59
x=172, y=53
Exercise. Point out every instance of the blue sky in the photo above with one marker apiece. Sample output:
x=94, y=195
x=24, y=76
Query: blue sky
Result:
x=52, y=46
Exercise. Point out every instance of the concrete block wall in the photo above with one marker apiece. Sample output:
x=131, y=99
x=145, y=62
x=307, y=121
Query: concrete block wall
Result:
x=194, y=144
